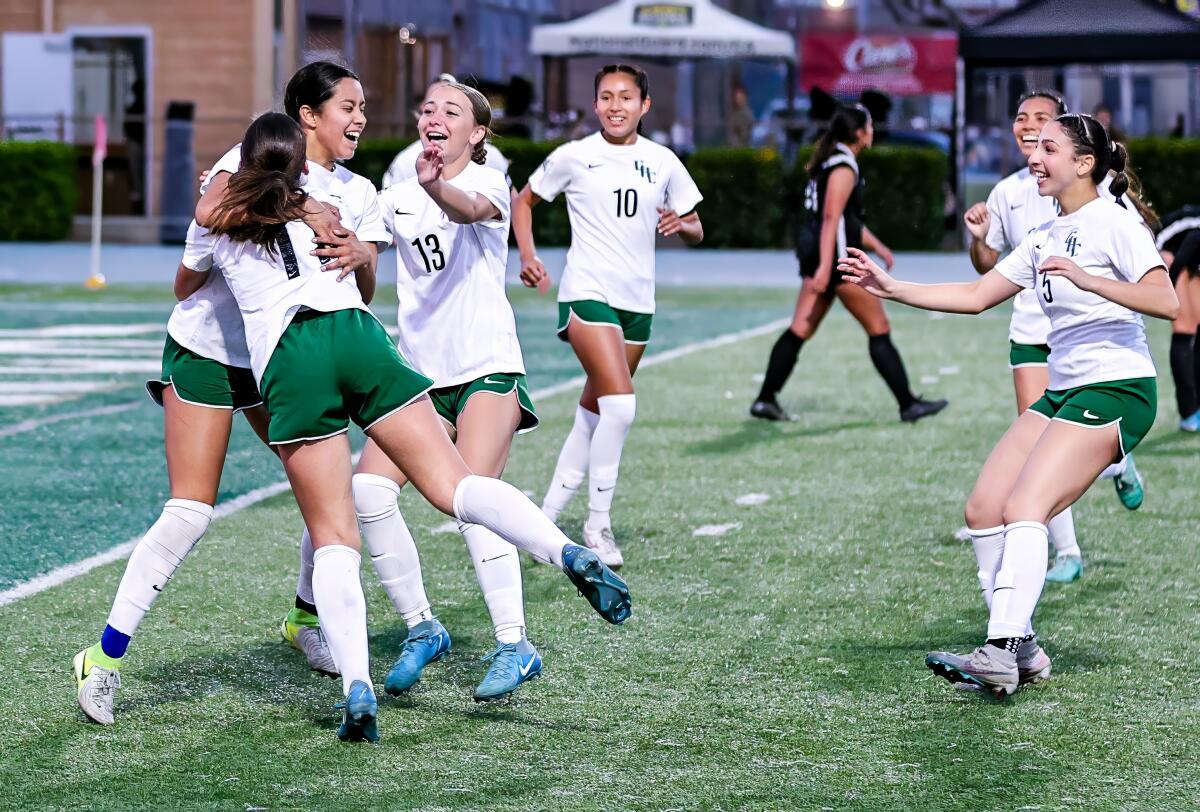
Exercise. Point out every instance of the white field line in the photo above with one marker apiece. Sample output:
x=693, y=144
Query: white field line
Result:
x=71, y=571
x=85, y=330
x=30, y=425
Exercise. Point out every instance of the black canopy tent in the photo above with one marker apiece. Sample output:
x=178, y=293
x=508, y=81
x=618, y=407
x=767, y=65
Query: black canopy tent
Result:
x=1055, y=33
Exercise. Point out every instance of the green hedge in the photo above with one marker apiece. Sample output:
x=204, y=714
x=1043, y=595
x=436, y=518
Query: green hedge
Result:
x=37, y=197
x=750, y=197
x=1169, y=169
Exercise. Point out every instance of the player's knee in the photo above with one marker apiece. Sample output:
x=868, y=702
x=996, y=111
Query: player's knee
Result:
x=374, y=496
x=982, y=512
x=620, y=408
x=1021, y=509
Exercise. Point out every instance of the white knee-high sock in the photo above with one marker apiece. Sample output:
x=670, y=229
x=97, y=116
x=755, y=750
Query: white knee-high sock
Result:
x=509, y=514
x=343, y=610
x=304, y=579
x=498, y=569
x=988, y=544
x=391, y=545
x=1062, y=533
x=1114, y=470
x=604, y=461
x=572, y=463
x=1020, y=580
x=154, y=560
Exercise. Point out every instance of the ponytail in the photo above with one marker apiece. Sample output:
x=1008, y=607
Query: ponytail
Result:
x=264, y=194
x=843, y=129
x=1089, y=137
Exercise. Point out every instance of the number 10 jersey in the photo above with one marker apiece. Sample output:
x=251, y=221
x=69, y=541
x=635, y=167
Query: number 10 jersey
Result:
x=613, y=194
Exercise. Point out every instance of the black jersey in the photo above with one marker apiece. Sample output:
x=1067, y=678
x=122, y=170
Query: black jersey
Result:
x=1180, y=234
x=850, y=226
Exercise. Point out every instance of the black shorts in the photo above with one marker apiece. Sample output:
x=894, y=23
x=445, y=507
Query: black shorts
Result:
x=1187, y=258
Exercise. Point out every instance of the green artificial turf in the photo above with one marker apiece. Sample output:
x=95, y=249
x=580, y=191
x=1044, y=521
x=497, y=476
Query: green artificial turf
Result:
x=776, y=666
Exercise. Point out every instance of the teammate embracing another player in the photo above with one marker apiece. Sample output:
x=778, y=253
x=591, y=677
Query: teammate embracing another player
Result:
x=621, y=189
x=1094, y=269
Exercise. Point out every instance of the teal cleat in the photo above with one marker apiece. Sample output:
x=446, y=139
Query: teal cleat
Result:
x=512, y=664
x=359, y=713
x=1190, y=423
x=1131, y=488
x=1066, y=569
x=604, y=589
x=427, y=642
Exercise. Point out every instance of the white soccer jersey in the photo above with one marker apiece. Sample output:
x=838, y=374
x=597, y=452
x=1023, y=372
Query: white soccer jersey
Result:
x=1091, y=339
x=1017, y=209
x=271, y=288
x=209, y=322
x=614, y=193
x=455, y=322
x=404, y=165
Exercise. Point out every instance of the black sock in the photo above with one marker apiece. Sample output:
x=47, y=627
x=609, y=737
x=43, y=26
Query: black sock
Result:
x=1007, y=643
x=305, y=605
x=780, y=366
x=1183, y=371
x=887, y=361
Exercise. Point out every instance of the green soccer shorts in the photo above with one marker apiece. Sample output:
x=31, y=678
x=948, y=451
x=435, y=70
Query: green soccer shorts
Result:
x=201, y=381
x=1130, y=403
x=450, y=401
x=634, y=326
x=331, y=368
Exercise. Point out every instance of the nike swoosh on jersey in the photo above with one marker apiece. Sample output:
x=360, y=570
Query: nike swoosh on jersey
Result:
x=1087, y=413
x=488, y=380
x=403, y=212
x=593, y=166
x=1014, y=206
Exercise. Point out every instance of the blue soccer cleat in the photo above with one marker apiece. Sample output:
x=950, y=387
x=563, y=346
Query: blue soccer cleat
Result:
x=427, y=642
x=1191, y=423
x=359, y=712
x=1066, y=569
x=603, y=588
x=512, y=664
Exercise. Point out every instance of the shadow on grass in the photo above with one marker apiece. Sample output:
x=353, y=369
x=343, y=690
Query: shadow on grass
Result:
x=752, y=432
x=1179, y=444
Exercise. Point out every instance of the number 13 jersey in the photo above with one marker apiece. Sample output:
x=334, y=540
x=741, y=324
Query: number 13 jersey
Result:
x=613, y=194
x=455, y=323
x=1092, y=339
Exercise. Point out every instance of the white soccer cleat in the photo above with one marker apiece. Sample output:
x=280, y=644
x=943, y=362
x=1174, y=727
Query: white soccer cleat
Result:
x=298, y=629
x=604, y=545
x=97, y=688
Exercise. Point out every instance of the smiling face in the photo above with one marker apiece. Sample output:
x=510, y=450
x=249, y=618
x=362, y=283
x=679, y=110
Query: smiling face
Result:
x=448, y=123
x=619, y=106
x=333, y=130
x=1054, y=163
x=1033, y=114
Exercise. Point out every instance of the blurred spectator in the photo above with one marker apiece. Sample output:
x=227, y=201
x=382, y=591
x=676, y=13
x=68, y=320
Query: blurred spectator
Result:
x=135, y=144
x=1104, y=114
x=739, y=124
x=683, y=142
x=1178, y=130
x=579, y=125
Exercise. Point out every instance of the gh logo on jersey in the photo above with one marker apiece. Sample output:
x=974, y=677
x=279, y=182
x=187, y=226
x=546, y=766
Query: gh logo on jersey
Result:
x=1072, y=243
x=643, y=170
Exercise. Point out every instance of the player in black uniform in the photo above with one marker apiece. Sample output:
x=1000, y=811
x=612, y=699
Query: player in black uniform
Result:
x=1179, y=243
x=835, y=222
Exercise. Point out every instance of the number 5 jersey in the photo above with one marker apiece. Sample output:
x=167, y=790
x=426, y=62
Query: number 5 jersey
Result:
x=613, y=194
x=455, y=322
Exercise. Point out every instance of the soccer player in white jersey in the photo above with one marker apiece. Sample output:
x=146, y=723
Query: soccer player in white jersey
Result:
x=1013, y=210
x=404, y=166
x=321, y=360
x=327, y=101
x=621, y=189
x=205, y=380
x=1094, y=269
x=451, y=223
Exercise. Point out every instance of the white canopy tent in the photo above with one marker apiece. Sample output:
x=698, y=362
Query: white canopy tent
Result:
x=674, y=30
x=680, y=29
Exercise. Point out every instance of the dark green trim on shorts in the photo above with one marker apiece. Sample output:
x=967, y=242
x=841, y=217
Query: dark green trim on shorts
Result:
x=450, y=401
x=634, y=326
x=1130, y=403
x=202, y=381
x=331, y=368
x=1027, y=355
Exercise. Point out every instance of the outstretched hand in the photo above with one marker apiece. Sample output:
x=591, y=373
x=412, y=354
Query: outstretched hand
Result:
x=860, y=269
x=430, y=164
x=534, y=275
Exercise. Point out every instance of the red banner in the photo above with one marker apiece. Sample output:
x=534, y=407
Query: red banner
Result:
x=846, y=64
